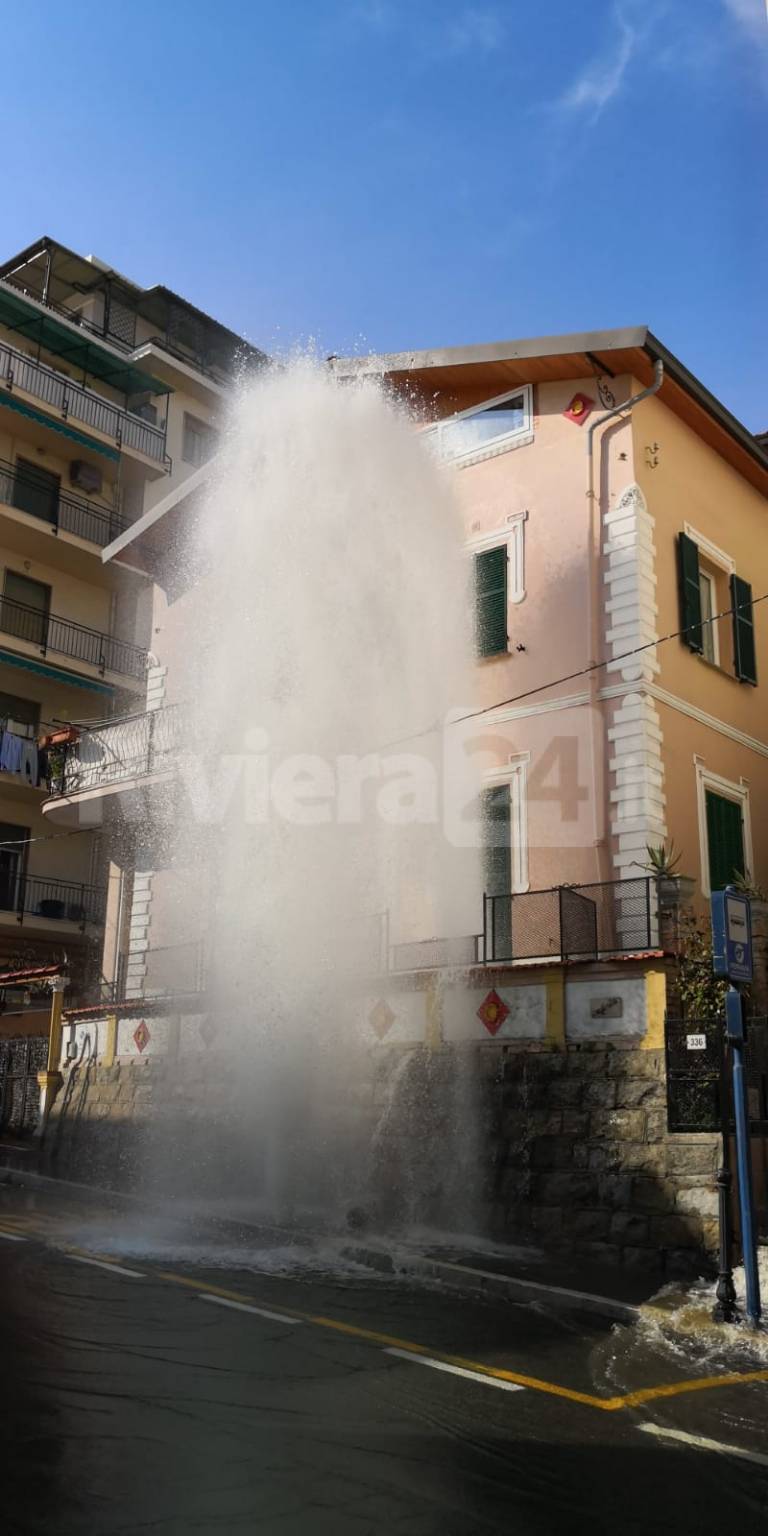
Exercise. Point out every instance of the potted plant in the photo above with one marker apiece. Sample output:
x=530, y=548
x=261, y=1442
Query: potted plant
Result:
x=748, y=887
x=62, y=736
x=674, y=889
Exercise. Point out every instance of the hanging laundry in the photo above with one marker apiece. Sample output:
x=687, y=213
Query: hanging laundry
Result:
x=10, y=752
x=29, y=769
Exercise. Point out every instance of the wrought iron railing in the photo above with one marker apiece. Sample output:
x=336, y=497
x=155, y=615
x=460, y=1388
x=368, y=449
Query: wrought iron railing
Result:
x=66, y=513
x=698, y=1087
x=20, y=1061
x=49, y=632
x=72, y=401
x=135, y=747
x=53, y=899
x=216, y=368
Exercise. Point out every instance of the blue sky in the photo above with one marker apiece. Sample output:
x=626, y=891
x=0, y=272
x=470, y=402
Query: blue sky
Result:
x=382, y=174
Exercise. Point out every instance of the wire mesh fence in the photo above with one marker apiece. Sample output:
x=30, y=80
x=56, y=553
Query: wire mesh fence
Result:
x=572, y=922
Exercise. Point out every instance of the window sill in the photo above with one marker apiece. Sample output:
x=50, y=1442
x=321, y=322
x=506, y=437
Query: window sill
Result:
x=716, y=666
x=491, y=452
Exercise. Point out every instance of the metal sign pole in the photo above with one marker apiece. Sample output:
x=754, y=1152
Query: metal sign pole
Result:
x=734, y=1004
x=732, y=957
x=724, y=1310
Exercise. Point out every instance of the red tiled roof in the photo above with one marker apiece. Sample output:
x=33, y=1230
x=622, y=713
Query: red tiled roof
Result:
x=34, y=973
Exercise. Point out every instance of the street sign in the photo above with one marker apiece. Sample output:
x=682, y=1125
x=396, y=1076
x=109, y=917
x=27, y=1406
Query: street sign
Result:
x=732, y=935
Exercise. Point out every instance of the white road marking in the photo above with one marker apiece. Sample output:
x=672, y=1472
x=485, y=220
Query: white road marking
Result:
x=242, y=1306
x=455, y=1370
x=594, y=1303
x=703, y=1444
x=112, y=1269
x=12, y=1237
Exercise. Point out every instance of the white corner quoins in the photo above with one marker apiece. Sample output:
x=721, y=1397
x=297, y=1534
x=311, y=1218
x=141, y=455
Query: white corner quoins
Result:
x=638, y=802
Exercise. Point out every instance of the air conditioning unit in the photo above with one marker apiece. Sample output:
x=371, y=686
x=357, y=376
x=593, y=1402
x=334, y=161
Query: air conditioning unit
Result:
x=87, y=477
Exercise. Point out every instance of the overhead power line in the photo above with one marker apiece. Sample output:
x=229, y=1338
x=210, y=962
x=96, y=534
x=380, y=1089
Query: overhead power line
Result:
x=596, y=666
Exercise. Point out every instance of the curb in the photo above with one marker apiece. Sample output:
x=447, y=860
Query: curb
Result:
x=101, y=1194
x=460, y=1277
x=470, y=1280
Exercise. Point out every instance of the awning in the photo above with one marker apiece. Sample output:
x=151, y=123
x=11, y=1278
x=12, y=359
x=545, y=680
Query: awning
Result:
x=57, y=425
x=29, y=319
x=57, y=674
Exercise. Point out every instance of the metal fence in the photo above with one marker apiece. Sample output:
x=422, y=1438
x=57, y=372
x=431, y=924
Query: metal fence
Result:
x=20, y=1061
x=698, y=1098
x=565, y=922
x=61, y=510
x=572, y=921
x=174, y=970
x=428, y=954
x=53, y=899
x=124, y=749
x=51, y=633
x=72, y=402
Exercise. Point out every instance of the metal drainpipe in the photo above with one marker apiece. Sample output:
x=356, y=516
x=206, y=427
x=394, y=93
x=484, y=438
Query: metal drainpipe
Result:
x=593, y=590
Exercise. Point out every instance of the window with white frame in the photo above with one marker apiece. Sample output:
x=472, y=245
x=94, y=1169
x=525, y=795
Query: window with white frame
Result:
x=199, y=441
x=505, y=827
x=487, y=429
x=710, y=648
x=499, y=561
x=725, y=829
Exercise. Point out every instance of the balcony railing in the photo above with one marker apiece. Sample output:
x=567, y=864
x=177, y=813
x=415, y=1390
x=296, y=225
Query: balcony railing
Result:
x=584, y=922
x=72, y=402
x=64, y=512
x=50, y=633
x=125, y=749
x=52, y=899
x=572, y=922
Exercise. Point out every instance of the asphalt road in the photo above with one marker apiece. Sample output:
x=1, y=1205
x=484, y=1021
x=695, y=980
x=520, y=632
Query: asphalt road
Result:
x=160, y=1381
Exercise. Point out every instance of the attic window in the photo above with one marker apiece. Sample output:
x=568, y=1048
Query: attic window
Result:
x=487, y=429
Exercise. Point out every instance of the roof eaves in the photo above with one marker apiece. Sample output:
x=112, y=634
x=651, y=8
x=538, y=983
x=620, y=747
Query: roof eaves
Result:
x=710, y=403
x=494, y=351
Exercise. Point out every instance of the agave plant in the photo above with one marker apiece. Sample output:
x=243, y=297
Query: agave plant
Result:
x=663, y=861
x=748, y=887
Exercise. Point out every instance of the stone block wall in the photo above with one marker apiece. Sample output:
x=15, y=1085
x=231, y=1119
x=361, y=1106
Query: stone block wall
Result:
x=580, y=1158
x=543, y=1121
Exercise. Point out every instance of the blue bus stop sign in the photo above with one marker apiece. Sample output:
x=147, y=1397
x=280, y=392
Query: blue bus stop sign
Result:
x=732, y=935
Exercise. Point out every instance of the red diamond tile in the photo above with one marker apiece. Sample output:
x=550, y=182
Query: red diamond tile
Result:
x=142, y=1035
x=492, y=1012
x=381, y=1018
x=209, y=1029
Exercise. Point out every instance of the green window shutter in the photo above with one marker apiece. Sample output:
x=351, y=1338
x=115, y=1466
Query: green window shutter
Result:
x=497, y=836
x=725, y=838
x=743, y=630
x=690, y=591
x=491, y=590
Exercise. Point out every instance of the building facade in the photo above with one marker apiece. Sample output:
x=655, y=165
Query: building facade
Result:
x=109, y=399
x=613, y=522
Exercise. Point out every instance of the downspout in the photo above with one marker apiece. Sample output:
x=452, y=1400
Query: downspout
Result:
x=594, y=587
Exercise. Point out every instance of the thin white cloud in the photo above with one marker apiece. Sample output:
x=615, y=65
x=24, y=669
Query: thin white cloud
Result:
x=474, y=30
x=603, y=78
x=752, y=15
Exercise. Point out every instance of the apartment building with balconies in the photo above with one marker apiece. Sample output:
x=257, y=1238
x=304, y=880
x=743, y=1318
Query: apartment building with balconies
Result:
x=610, y=503
x=110, y=395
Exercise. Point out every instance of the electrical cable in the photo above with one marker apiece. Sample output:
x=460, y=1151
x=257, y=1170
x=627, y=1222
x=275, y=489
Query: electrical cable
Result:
x=570, y=677
x=595, y=666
